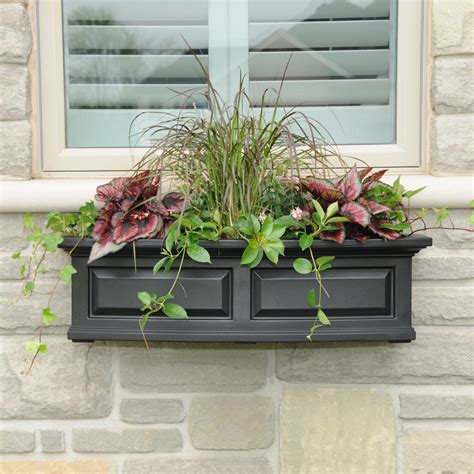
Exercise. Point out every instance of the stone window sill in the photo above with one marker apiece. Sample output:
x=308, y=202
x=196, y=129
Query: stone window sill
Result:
x=44, y=195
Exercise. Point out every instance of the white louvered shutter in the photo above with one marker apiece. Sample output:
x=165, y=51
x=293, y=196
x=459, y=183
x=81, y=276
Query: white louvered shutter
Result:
x=341, y=63
x=124, y=57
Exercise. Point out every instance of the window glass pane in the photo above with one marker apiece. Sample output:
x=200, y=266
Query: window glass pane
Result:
x=124, y=57
x=340, y=63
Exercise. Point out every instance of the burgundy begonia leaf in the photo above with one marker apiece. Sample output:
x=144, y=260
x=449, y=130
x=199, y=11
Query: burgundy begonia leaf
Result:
x=322, y=188
x=174, y=202
x=372, y=206
x=374, y=177
x=133, y=192
x=335, y=235
x=125, y=230
x=157, y=205
x=351, y=185
x=388, y=234
x=149, y=226
x=111, y=191
x=162, y=232
x=355, y=232
x=105, y=246
x=102, y=225
x=364, y=172
x=355, y=213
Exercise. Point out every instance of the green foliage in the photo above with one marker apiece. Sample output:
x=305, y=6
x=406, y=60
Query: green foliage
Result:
x=35, y=346
x=47, y=316
x=65, y=275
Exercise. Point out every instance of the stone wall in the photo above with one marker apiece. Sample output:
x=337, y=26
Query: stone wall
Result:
x=246, y=409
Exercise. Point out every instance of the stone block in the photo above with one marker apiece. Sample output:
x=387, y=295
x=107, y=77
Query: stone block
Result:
x=109, y=440
x=90, y=466
x=452, y=149
x=337, y=431
x=15, y=142
x=438, y=264
x=15, y=92
x=194, y=369
x=138, y=410
x=437, y=405
x=438, y=356
x=218, y=465
x=70, y=381
x=443, y=305
x=16, y=441
x=52, y=441
x=437, y=451
x=15, y=33
x=232, y=423
x=453, y=27
x=12, y=233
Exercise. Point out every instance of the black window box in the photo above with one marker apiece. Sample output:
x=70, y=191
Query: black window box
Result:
x=369, y=286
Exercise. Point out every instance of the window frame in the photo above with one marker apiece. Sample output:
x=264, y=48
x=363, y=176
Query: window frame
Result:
x=55, y=160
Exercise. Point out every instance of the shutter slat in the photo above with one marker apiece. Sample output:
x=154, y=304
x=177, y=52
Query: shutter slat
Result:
x=312, y=64
x=312, y=35
x=323, y=92
x=164, y=38
x=127, y=11
x=136, y=69
x=285, y=10
x=146, y=96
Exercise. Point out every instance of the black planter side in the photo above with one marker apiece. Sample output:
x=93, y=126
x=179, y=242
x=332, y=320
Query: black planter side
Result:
x=369, y=287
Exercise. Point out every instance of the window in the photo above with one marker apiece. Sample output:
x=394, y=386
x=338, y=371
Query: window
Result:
x=353, y=65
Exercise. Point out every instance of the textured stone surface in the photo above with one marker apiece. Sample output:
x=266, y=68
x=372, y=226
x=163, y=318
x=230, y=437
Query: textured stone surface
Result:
x=103, y=440
x=135, y=410
x=231, y=423
x=71, y=381
x=15, y=142
x=12, y=234
x=452, y=149
x=438, y=264
x=439, y=356
x=443, y=305
x=337, y=431
x=451, y=88
x=52, y=441
x=453, y=27
x=15, y=34
x=9, y=268
x=15, y=441
x=203, y=369
x=93, y=466
x=438, y=451
x=22, y=315
x=198, y=466
x=15, y=96
x=437, y=405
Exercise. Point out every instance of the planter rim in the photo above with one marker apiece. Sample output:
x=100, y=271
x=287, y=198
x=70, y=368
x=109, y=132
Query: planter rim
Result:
x=410, y=244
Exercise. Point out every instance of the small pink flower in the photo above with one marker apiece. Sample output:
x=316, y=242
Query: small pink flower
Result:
x=297, y=213
x=262, y=216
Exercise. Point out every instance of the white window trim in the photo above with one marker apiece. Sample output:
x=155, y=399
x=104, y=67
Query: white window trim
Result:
x=55, y=160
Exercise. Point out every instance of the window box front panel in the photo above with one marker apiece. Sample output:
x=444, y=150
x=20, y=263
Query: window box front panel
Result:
x=369, y=287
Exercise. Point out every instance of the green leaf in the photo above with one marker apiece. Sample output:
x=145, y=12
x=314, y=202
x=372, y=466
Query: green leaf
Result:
x=28, y=220
x=28, y=288
x=51, y=241
x=145, y=298
x=441, y=215
x=332, y=209
x=216, y=217
x=267, y=226
x=47, y=316
x=319, y=209
x=337, y=219
x=175, y=311
x=325, y=259
x=277, y=232
x=254, y=223
x=249, y=255
x=198, y=254
x=312, y=298
x=172, y=236
x=271, y=253
x=35, y=346
x=258, y=258
x=303, y=266
x=287, y=221
x=323, y=319
x=16, y=255
x=326, y=266
x=159, y=264
x=169, y=264
x=66, y=274
x=143, y=322
x=306, y=241
x=410, y=194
